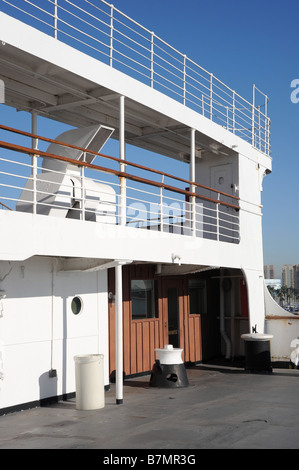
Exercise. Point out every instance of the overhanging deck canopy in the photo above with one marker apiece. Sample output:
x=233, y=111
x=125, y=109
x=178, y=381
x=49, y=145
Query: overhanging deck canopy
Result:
x=34, y=84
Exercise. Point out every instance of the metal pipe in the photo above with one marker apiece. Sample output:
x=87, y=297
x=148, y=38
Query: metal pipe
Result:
x=211, y=96
x=253, y=114
x=119, y=337
x=122, y=158
x=82, y=214
x=184, y=80
x=55, y=18
x=192, y=179
x=111, y=36
x=34, y=160
x=152, y=59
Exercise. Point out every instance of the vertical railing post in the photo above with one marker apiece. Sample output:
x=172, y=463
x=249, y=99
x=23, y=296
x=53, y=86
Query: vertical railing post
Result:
x=234, y=117
x=111, y=37
x=122, y=208
x=227, y=118
x=268, y=136
x=192, y=179
x=259, y=127
x=152, y=59
x=217, y=218
x=211, y=96
x=253, y=115
x=161, y=207
x=34, y=162
x=119, y=334
x=266, y=146
x=184, y=80
x=82, y=214
x=55, y=18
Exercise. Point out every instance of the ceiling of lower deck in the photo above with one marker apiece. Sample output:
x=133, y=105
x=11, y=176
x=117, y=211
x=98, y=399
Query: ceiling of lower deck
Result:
x=34, y=84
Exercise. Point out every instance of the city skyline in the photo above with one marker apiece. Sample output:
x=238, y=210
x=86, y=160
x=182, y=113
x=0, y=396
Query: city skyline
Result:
x=289, y=274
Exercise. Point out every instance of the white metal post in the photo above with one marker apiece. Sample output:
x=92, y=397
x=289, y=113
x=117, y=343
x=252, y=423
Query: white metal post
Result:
x=192, y=179
x=161, y=207
x=55, y=18
x=82, y=214
x=217, y=219
x=122, y=156
x=266, y=126
x=34, y=159
x=252, y=123
x=119, y=335
x=152, y=59
x=227, y=119
x=234, y=119
x=259, y=126
x=111, y=35
x=184, y=80
x=211, y=96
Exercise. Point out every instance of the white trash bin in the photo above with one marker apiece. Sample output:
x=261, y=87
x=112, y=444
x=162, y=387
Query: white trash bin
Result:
x=89, y=373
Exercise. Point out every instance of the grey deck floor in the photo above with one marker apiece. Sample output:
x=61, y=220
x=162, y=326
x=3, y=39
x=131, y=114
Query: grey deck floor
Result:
x=223, y=408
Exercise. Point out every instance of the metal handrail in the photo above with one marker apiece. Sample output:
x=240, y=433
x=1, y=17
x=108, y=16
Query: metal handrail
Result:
x=179, y=76
x=122, y=174
x=174, y=207
x=135, y=165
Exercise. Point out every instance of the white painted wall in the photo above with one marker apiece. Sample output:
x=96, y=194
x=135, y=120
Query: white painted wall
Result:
x=246, y=179
x=283, y=325
x=38, y=331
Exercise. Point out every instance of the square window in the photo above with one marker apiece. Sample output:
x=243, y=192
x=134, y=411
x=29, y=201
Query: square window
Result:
x=143, y=299
x=197, y=296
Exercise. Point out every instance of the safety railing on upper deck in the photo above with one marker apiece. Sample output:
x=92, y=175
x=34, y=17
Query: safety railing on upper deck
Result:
x=97, y=28
x=141, y=197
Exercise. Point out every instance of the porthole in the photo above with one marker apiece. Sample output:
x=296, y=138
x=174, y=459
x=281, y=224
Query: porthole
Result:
x=76, y=305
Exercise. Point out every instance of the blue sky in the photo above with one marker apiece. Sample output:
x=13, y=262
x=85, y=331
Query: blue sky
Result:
x=243, y=42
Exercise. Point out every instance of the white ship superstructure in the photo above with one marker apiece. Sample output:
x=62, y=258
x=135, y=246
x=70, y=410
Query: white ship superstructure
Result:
x=102, y=253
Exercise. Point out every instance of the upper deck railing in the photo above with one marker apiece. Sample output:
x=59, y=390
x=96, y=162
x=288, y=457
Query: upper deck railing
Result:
x=153, y=200
x=97, y=28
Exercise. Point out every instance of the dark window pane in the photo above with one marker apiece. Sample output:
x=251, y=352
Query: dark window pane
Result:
x=143, y=299
x=197, y=296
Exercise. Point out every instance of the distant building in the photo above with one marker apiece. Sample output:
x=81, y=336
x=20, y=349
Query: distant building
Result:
x=265, y=271
x=287, y=275
x=296, y=276
x=271, y=272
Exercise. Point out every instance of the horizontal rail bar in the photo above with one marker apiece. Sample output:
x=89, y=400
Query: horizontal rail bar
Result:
x=30, y=151
x=135, y=165
x=146, y=54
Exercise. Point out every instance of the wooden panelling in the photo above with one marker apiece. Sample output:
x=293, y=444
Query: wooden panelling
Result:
x=142, y=337
x=144, y=340
x=133, y=346
x=194, y=333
